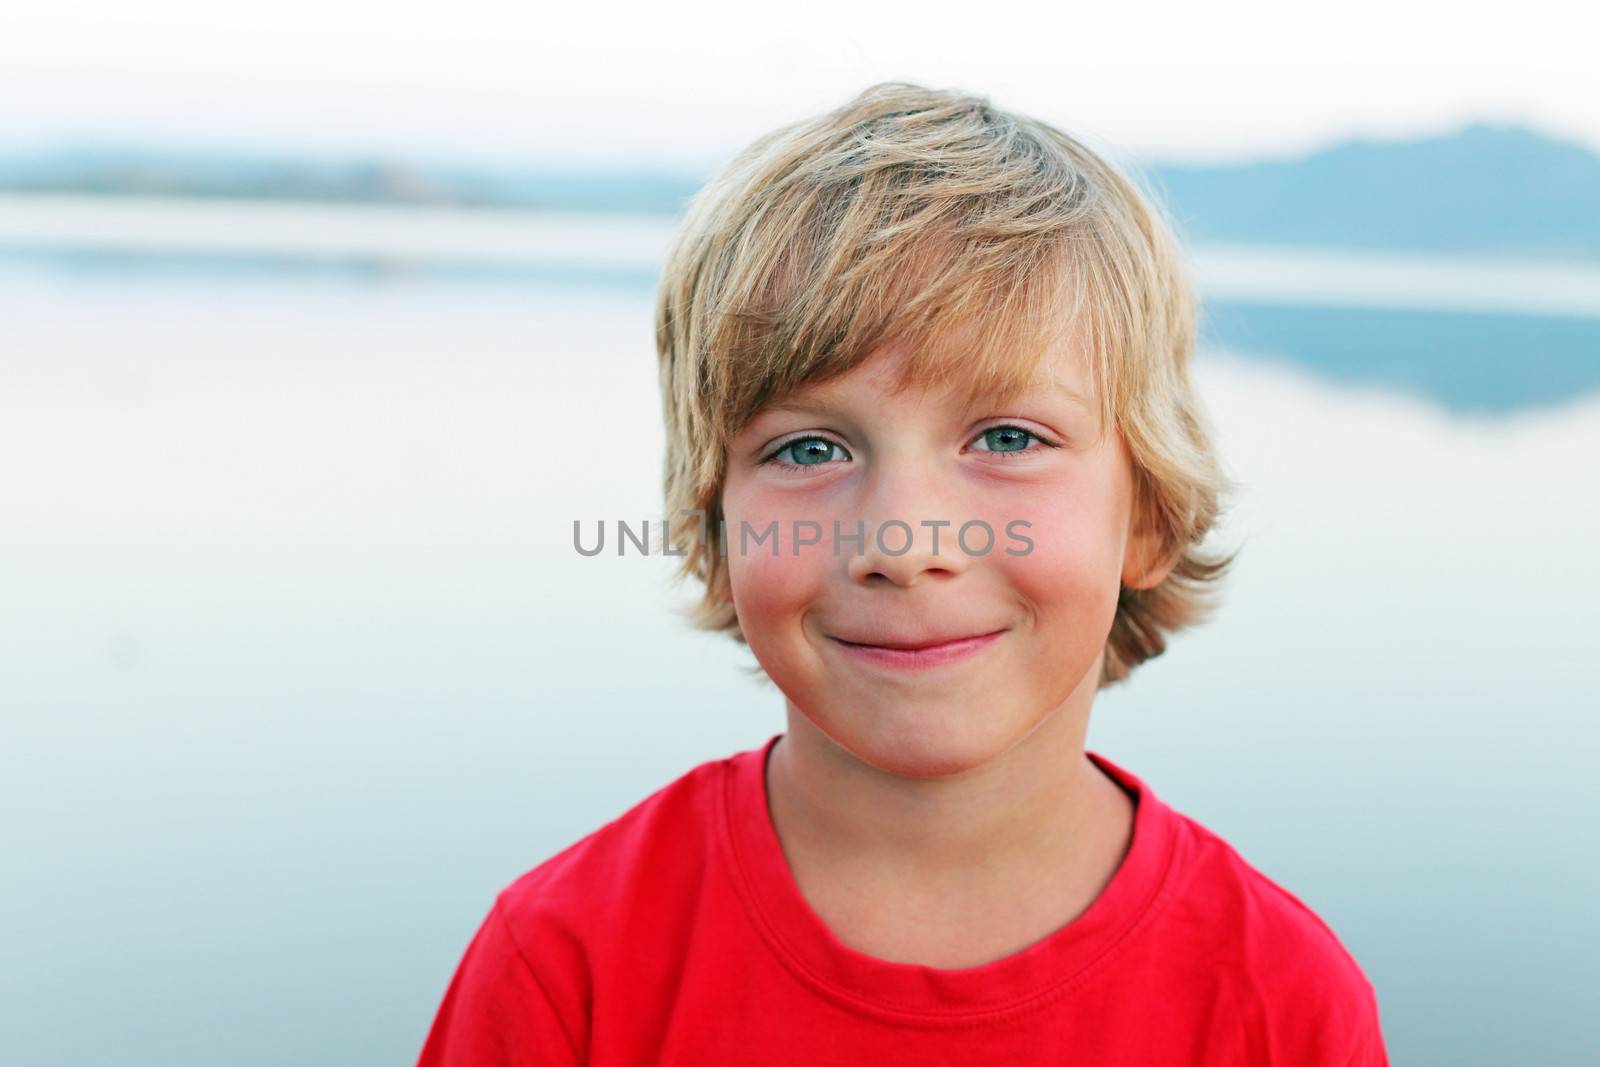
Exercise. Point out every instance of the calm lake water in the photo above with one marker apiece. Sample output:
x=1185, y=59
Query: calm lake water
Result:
x=299, y=666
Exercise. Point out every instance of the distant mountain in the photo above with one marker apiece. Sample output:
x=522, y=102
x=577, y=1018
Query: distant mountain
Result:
x=1481, y=189
x=127, y=171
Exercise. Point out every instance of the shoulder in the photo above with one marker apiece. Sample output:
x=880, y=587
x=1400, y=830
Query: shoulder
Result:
x=1269, y=938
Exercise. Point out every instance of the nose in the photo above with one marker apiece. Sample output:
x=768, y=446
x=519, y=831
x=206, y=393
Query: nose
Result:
x=909, y=531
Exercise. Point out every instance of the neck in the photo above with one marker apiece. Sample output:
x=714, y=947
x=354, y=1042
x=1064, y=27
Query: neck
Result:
x=1038, y=814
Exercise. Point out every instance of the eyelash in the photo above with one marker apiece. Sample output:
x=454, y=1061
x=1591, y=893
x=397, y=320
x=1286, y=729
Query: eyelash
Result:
x=773, y=460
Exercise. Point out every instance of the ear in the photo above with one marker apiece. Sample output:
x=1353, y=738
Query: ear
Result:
x=1146, y=559
x=723, y=579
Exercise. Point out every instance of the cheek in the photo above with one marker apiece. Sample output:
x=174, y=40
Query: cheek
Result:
x=771, y=591
x=772, y=595
x=1072, y=573
x=768, y=587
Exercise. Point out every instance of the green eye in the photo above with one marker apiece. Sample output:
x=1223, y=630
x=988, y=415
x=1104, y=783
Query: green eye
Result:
x=807, y=452
x=1006, y=439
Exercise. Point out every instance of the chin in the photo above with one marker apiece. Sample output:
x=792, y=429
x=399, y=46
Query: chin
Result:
x=923, y=745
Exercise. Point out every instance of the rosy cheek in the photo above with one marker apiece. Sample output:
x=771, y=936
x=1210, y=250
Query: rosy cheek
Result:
x=768, y=586
x=762, y=530
x=1071, y=566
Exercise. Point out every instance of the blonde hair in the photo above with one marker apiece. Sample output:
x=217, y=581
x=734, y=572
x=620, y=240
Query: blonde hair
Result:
x=975, y=236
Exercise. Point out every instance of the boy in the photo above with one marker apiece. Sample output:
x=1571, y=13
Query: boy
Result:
x=931, y=358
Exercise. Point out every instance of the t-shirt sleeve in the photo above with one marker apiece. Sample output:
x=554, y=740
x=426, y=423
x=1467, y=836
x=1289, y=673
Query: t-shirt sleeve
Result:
x=495, y=1012
x=1369, y=1050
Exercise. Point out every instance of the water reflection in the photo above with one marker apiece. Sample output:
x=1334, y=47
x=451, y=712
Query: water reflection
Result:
x=1467, y=362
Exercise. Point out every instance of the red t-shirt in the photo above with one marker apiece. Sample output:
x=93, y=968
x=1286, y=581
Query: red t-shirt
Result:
x=676, y=935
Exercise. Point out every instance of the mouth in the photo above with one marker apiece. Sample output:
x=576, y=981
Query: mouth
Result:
x=918, y=654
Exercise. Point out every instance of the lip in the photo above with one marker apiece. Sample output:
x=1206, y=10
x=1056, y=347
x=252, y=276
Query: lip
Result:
x=923, y=658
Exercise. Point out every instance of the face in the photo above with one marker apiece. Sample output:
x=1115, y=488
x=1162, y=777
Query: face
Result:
x=836, y=625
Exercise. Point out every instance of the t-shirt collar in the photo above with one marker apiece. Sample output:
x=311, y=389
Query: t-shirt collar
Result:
x=1047, y=969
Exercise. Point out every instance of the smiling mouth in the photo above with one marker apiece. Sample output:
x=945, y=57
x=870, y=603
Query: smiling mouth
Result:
x=917, y=646
x=920, y=656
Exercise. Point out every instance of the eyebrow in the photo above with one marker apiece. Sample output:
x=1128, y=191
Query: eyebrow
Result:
x=803, y=405
x=1052, y=387
x=1065, y=389
x=815, y=403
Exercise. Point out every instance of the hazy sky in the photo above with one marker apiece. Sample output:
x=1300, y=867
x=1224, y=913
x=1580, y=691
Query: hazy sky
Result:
x=688, y=83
